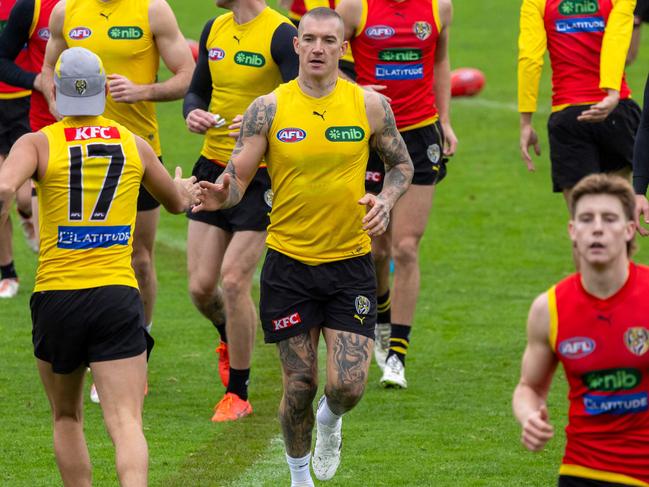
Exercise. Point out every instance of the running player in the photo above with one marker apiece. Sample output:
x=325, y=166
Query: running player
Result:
x=593, y=121
x=242, y=54
x=401, y=48
x=14, y=122
x=596, y=323
x=130, y=36
x=86, y=308
x=318, y=276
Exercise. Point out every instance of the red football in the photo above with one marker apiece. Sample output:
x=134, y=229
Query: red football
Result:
x=466, y=81
x=193, y=46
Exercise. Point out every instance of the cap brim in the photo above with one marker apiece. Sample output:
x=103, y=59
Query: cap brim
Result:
x=75, y=106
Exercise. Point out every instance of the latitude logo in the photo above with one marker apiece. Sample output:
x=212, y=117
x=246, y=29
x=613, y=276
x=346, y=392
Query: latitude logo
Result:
x=129, y=33
x=246, y=58
x=578, y=7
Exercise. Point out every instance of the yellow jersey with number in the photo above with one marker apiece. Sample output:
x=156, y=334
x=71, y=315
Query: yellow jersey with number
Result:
x=87, y=203
x=241, y=68
x=119, y=33
x=317, y=156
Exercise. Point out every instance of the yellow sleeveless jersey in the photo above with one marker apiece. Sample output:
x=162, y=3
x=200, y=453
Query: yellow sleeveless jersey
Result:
x=241, y=68
x=317, y=157
x=119, y=33
x=87, y=203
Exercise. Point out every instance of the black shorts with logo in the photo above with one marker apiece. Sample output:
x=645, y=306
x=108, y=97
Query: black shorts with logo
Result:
x=425, y=146
x=145, y=200
x=578, y=149
x=14, y=121
x=570, y=481
x=71, y=328
x=294, y=297
x=252, y=212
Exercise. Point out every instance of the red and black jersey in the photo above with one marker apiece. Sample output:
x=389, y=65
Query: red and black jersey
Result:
x=394, y=46
x=603, y=345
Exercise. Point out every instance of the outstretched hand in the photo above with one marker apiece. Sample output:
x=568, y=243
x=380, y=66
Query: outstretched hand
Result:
x=213, y=195
x=188, y=188
x=377, y=219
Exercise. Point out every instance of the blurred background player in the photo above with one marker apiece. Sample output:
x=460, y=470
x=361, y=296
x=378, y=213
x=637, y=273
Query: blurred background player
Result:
x=401, y=49
x=318, y=275
x=14, y=122
x=130, y=36
x=593, y=121
x=596, y=324
x=242, y=54
x=86, y=308
x=640, y=16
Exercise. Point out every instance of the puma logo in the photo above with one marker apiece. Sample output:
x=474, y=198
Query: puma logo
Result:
x=237, y=39
x=105, y=15
x=321, y=115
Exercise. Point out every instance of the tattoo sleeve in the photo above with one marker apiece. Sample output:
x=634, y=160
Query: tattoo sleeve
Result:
x=256, y=122
x=392, y=150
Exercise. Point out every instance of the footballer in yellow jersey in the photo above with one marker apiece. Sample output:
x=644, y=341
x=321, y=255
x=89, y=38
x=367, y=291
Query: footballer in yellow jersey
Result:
x=130, y=36
x=318, y=276
x=243, y=54
x=86, y=308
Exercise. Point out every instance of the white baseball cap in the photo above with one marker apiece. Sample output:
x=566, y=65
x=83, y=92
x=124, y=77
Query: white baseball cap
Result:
x=80, y=81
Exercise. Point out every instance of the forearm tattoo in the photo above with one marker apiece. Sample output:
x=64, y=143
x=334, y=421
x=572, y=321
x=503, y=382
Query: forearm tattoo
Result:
x=392, y=150
x=299, y=364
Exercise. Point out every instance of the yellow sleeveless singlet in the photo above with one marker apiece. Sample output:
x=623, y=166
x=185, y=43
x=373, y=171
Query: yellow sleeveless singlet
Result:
x=118, y=32
x=317, y=156
x=87, y=203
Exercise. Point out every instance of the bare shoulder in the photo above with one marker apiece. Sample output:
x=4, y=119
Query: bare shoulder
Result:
x=57, y=16
x=445, y=12
x=538, y=321
x=378, y=109
x=351, y=12
x=161, y=16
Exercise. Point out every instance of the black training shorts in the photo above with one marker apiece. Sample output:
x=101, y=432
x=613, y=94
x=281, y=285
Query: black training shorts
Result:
x=425, y=146
x=14, y=121
x=578, y=149
x=71, y=328
x=295, y=297
x=570, y=481
x=145, y=200
x=252, y=212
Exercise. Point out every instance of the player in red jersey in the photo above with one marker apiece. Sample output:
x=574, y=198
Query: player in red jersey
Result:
x=596, y=323
x=401, y=48
x=593, y=121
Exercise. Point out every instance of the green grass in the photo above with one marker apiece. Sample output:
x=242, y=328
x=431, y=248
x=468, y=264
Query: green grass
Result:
x=496, y=238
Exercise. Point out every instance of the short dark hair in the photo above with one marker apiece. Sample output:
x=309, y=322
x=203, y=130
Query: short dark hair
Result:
x=606, y=184
x=321, y=13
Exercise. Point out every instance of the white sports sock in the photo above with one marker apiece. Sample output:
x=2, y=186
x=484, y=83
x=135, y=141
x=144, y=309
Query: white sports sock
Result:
x=300, y=474
x=148, y=327
x=326, y=416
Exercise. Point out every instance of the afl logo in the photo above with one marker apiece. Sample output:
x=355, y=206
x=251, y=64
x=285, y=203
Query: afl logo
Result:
x=44, y=33
x=79, y=33
x=216, y=54
x=379, y=32
x=576, y=347
x=291, y=135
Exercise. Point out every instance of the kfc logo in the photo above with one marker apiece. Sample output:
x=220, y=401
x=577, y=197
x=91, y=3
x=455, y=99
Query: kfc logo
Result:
x=287, y=321
x=86, y=133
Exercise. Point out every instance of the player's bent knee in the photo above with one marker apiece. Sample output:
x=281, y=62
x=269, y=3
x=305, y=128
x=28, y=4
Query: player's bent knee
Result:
x=142, y=264
x=346, y=395
x=406, y=251
x=300, y=391
x=234, y=284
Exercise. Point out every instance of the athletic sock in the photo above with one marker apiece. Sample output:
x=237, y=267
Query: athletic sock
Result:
x=399, y=341
x=383, y=308
x=8, y=271
x=299, y=467
x=238, y=383
x=221, y=330
x=326, y=416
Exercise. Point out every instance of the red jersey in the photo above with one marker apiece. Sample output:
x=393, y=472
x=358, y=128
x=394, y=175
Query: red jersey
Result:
x=394, y=46
x=575, y=30
x=39, y=112
x=8, y=91
x=300, y=7
x=603, y=345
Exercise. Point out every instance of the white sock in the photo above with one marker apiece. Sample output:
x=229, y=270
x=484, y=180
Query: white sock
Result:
x=148, y=327
x=326, y=416
x=299, y=467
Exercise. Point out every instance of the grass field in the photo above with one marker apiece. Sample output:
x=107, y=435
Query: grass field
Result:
x=496, y=239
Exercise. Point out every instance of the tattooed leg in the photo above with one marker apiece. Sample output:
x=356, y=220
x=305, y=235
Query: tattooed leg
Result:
x=300, y=375
x=348, y=362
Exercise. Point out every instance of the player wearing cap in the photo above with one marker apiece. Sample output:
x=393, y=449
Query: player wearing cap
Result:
x=86, y=308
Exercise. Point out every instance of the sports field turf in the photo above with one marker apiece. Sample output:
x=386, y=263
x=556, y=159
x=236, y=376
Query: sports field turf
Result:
x=496, y=239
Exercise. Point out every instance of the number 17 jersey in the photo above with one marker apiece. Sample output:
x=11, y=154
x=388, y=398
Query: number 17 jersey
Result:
x=87, y=201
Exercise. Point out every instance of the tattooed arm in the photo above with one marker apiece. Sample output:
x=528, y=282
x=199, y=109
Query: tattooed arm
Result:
x=20, y=165
x=249, y=150
x=387, y=142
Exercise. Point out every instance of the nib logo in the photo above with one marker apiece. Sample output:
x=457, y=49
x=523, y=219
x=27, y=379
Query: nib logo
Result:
x=345, y=134
x=578, y=7
x=253, y=59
